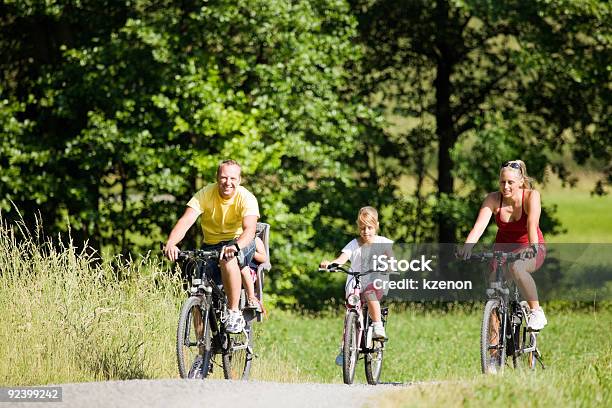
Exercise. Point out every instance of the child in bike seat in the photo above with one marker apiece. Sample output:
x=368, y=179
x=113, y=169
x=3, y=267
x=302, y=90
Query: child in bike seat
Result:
x=360, y=252
x=249, y=275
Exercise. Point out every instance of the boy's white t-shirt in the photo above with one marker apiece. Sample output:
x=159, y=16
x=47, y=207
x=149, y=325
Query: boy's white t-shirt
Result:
x=361, y=258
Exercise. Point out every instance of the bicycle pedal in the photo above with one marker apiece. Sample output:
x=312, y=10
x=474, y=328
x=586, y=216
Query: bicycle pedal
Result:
x=529, y=330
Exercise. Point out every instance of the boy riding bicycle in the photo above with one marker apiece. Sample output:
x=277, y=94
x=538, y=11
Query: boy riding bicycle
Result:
x=359, y=252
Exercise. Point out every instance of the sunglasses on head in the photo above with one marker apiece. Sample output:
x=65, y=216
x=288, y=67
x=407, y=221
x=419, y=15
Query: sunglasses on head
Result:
x=512, y=164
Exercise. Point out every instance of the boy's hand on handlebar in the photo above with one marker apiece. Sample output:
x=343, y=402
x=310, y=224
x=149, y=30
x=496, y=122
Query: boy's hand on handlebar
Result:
x=324, y=264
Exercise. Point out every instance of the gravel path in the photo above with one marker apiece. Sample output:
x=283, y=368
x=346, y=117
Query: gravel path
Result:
x=211, y=393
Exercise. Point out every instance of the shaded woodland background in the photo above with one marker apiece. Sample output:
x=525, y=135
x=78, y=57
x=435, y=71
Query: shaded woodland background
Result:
x=113, y=113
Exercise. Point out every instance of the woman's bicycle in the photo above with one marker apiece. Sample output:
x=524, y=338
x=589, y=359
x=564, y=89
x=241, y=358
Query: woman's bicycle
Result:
x=504, y=333
x=358, y=332
x=201, y=336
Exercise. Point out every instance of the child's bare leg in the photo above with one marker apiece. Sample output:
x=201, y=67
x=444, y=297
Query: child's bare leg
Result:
x=377, y=324
x=247, y=282
x=374, y=310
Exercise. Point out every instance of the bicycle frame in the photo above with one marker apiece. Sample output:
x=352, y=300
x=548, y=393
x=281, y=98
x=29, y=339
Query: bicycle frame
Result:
x=208, y=320
x=354, y=304
x=512, y=312
x=357, y=333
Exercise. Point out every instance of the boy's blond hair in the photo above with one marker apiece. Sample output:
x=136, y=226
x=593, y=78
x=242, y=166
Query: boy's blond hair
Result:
x=368, y=216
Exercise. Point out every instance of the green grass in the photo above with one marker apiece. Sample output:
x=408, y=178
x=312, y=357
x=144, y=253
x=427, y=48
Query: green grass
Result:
x=586, y=217
x=577, y=351
x=67, y=318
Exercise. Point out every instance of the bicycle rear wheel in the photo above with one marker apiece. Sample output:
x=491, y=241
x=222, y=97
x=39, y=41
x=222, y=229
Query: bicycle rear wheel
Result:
x=492, y=348
x=350, y=349
x=238, y=356
x=193, y=339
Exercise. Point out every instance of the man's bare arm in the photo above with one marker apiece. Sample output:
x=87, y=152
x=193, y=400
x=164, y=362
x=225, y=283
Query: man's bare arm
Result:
x=249, y=228
x=178, y=232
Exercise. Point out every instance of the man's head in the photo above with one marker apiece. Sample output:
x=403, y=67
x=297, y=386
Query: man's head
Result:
x=228, y=178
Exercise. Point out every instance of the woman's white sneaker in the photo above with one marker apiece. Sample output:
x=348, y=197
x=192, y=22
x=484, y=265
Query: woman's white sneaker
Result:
x=537, y=319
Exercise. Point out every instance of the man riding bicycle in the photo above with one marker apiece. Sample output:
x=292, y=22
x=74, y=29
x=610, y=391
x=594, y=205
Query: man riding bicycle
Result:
x=228, y=215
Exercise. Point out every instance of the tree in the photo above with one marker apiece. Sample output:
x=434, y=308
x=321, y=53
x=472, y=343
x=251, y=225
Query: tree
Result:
x=130, y=117
x=463, y=70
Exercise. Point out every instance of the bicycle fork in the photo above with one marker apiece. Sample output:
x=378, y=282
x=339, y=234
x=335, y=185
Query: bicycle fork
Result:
x=358, y=312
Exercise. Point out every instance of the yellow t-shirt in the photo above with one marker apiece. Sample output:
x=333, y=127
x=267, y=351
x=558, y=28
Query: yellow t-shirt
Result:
x=221, y=219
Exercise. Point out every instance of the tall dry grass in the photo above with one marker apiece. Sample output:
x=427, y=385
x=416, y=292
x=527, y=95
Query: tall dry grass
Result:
x=68, y=316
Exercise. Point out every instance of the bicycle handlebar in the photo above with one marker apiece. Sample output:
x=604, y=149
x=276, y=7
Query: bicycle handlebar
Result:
x=198, y=254
x=339, y=268
x=507, y=256
x=195, y=254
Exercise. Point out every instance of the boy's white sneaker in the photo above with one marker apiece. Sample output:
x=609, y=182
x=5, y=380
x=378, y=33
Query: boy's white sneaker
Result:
x=378, y=331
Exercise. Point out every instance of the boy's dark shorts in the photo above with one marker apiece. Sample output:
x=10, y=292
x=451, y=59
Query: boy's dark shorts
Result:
x=213, y=269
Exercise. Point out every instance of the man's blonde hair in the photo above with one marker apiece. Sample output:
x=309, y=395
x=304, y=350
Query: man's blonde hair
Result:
x=229, y=162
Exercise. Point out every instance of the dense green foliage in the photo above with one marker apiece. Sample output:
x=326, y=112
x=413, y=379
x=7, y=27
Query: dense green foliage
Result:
x=113, y=113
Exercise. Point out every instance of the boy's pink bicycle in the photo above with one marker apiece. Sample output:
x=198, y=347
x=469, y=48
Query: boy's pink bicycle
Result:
x=358, y=331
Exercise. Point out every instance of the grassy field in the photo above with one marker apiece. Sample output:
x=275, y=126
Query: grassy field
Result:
x=586, y=217
x=443, y=347
x=66, y=317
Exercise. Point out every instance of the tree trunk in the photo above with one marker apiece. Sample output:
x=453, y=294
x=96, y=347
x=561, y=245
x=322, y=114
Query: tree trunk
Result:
x=444, y=120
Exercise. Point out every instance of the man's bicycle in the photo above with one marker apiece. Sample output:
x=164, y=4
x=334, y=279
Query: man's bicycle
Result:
x=201, y=336
x=358, y=333
x=504, y=333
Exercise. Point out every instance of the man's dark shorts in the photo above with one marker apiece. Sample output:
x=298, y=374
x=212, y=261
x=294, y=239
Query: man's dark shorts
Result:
x=244, y=258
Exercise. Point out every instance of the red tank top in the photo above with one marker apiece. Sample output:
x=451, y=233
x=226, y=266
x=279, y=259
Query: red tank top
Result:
x=514, y=232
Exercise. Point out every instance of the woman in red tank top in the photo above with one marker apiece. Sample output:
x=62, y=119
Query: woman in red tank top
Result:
x=517, y=211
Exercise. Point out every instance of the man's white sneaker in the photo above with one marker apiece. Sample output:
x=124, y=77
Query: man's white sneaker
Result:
x=378, y=331
x=235, y=322
x=536, y=319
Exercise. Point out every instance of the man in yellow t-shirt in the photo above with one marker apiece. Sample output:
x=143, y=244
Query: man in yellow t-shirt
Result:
x=228, y=215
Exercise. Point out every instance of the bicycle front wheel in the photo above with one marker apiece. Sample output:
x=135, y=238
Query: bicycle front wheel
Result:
x=492, y=348
x=193, y=339
x=238, y=356
x=350, y=348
